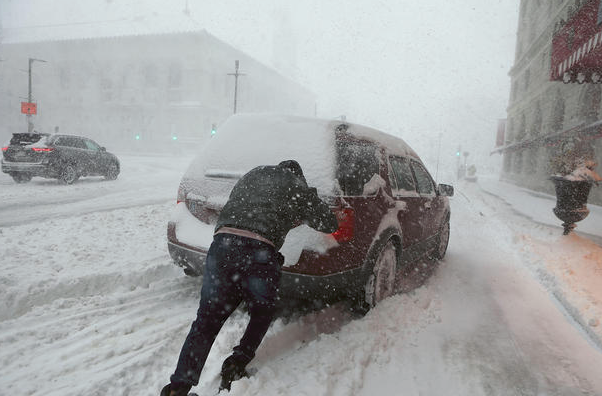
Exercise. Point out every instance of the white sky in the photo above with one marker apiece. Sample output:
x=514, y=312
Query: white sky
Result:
x=411, y=68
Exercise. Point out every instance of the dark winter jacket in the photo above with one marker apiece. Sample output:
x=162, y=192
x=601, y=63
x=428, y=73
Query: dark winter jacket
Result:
x=271, y=200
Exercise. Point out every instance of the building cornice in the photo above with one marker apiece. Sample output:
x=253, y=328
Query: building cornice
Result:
x=538, y=45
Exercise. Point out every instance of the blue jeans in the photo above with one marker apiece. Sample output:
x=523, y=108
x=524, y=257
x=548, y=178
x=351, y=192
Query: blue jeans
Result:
x=237, y=269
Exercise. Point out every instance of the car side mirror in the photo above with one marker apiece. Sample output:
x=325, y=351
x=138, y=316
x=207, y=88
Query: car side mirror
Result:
x=446, y=190
x=103, y=149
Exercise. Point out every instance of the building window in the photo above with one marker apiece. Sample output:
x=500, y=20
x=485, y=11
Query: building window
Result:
x=521, y=131
x=65, y=78
x=557, y=120
x=175, y=76
x=590, y=102
x=151, y=76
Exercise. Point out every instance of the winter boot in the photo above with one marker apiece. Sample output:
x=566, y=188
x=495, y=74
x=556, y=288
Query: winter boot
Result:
x=179, y=391
x=232, y=369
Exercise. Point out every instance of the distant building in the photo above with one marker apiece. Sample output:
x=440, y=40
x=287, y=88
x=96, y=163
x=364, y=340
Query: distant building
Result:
x=143, y=91
x=555, y=98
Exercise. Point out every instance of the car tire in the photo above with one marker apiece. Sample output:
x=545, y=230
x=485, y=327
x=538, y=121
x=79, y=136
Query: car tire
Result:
x=380, y=283
x=190, y=272
x=442, y=241
x=112, y=171
x=68, y=174
x=21, y=177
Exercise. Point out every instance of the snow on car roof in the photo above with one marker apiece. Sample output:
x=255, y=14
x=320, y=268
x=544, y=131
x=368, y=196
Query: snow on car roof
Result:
x=394, y=144
x=245, y=141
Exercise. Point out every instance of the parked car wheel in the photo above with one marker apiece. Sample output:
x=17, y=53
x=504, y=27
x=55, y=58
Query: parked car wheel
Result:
x=112, y=171
x=442, y=241
x=21, y=177
x=68, y=174
x=381, y=282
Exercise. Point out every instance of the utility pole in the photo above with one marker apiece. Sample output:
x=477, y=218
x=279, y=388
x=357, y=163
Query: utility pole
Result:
x=236, y=74
x=29, y=95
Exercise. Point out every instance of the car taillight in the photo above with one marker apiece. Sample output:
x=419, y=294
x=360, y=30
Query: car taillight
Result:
x=4, y=148
x=181, y=195
x=42, y=149
x=346, y=218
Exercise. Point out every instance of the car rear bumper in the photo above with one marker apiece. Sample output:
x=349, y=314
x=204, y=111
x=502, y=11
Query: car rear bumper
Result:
x=292, y=285
x=33, y=168
x=192, y=260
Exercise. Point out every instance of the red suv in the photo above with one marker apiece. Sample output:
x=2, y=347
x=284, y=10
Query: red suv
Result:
x=391, y=213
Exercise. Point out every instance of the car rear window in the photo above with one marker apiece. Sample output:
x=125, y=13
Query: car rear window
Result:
x=24, y=139
x=249, y=140
x=357, y=162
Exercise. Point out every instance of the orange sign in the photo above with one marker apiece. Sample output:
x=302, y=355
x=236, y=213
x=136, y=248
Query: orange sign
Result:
x=29, y=108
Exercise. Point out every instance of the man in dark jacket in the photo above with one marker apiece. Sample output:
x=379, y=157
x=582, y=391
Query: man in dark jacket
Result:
x=244, y=264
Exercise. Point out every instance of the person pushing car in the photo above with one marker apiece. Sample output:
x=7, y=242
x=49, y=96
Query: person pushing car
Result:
x=244, y=264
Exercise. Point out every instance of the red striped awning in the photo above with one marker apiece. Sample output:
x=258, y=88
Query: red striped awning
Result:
x=577, y=46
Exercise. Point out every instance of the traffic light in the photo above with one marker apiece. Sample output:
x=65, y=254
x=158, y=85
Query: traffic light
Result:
x=137, y=137
x=174, y=137
x=213, y=129
x=457, y=153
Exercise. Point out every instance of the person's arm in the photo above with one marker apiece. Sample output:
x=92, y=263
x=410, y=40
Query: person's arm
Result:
x=316, y=213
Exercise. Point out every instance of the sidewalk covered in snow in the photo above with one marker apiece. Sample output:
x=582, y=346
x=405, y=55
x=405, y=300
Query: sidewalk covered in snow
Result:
x=569, y=266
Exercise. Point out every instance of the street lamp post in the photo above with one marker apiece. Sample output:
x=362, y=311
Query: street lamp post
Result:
x=236, y=74
x=29, y=93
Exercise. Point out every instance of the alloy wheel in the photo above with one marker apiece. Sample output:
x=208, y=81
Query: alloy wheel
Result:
x=68, y=174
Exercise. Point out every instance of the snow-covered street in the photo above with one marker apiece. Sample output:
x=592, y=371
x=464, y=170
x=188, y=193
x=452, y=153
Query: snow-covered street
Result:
x=90, y=303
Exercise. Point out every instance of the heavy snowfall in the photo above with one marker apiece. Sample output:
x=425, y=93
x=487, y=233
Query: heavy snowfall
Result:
x=91, y=304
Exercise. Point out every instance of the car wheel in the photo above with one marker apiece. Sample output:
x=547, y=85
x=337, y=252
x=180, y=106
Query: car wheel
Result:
x=112, y=171
x=68, y=174
x=381, y=282
x=21, y=177
x=442, y=241
x=190, y=272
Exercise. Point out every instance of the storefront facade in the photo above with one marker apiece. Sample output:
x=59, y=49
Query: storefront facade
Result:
x=555, y=101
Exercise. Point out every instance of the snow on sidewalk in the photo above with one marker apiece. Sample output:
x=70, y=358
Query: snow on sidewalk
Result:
x=569, y=266
x=538, y=206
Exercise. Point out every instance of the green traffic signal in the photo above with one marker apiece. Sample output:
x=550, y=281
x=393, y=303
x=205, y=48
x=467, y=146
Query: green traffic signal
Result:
x=137, y=137
x=174, y=137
